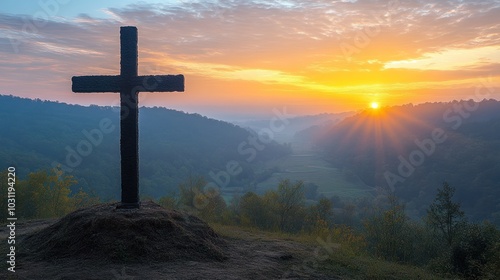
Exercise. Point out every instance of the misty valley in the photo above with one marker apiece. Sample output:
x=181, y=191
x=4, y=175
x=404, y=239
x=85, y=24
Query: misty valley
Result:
x=411, y=185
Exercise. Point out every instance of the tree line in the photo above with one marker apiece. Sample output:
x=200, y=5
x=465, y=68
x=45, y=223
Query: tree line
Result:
x=44, y=194
x=443, y=241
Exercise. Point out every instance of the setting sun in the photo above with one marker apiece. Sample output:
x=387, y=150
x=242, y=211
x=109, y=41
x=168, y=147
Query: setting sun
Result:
x=374, y=105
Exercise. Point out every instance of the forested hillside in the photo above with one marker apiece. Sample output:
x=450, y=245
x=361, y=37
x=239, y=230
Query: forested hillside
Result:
x=408, y=154
x=411, y=149
x=84, y=142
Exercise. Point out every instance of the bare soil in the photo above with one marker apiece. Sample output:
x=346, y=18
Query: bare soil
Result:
x=168, y=245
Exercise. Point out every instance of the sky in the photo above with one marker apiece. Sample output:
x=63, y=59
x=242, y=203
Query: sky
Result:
x=243, y=58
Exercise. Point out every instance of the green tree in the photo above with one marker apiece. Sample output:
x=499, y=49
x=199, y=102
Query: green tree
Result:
x=387, y=232
x=207, y=203
x=215, y=209
x=324, y=209
x=320, y=215
x=191, y=194
x=255, y=211
x=47, y=194
x=444, y=214
x=289, y=203
x=475, y=253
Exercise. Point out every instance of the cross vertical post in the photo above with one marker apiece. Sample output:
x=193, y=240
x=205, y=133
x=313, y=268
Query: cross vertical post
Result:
x=129, y=118
x=129, y=84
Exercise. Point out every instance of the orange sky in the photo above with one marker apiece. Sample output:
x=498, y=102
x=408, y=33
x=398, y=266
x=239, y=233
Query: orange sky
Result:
x=248, y=57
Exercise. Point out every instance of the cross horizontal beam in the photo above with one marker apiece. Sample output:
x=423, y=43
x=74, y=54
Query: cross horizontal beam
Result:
x=147, y=83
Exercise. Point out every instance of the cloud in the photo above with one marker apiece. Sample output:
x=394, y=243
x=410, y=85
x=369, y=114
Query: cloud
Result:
x=333, y=47
x=450, y=59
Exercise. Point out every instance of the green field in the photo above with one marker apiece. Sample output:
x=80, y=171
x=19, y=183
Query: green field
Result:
x=311, y=168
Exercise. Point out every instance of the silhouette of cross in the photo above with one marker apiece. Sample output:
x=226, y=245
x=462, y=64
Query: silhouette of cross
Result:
x=128, y=84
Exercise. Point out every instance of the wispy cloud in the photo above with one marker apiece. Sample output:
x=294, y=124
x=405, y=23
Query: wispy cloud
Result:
x=295, y=44
x=451, y=59
x=59, y=49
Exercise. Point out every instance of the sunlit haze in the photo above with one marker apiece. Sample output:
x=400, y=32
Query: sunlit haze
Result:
x=244, y=58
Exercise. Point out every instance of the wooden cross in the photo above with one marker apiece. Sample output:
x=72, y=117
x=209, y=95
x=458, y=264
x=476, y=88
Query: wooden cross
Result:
x=128, y=84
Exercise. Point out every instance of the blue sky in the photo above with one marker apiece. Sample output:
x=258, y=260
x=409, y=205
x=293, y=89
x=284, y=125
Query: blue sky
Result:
x=69, y=8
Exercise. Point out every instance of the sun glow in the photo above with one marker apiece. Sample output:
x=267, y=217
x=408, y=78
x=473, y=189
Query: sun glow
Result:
x=374, y=105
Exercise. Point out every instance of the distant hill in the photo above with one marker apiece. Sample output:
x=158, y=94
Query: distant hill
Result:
x=286, y=133
x=413, y=149
x=84, y=142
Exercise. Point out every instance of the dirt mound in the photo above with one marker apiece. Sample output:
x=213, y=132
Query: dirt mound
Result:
x=150, y=233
